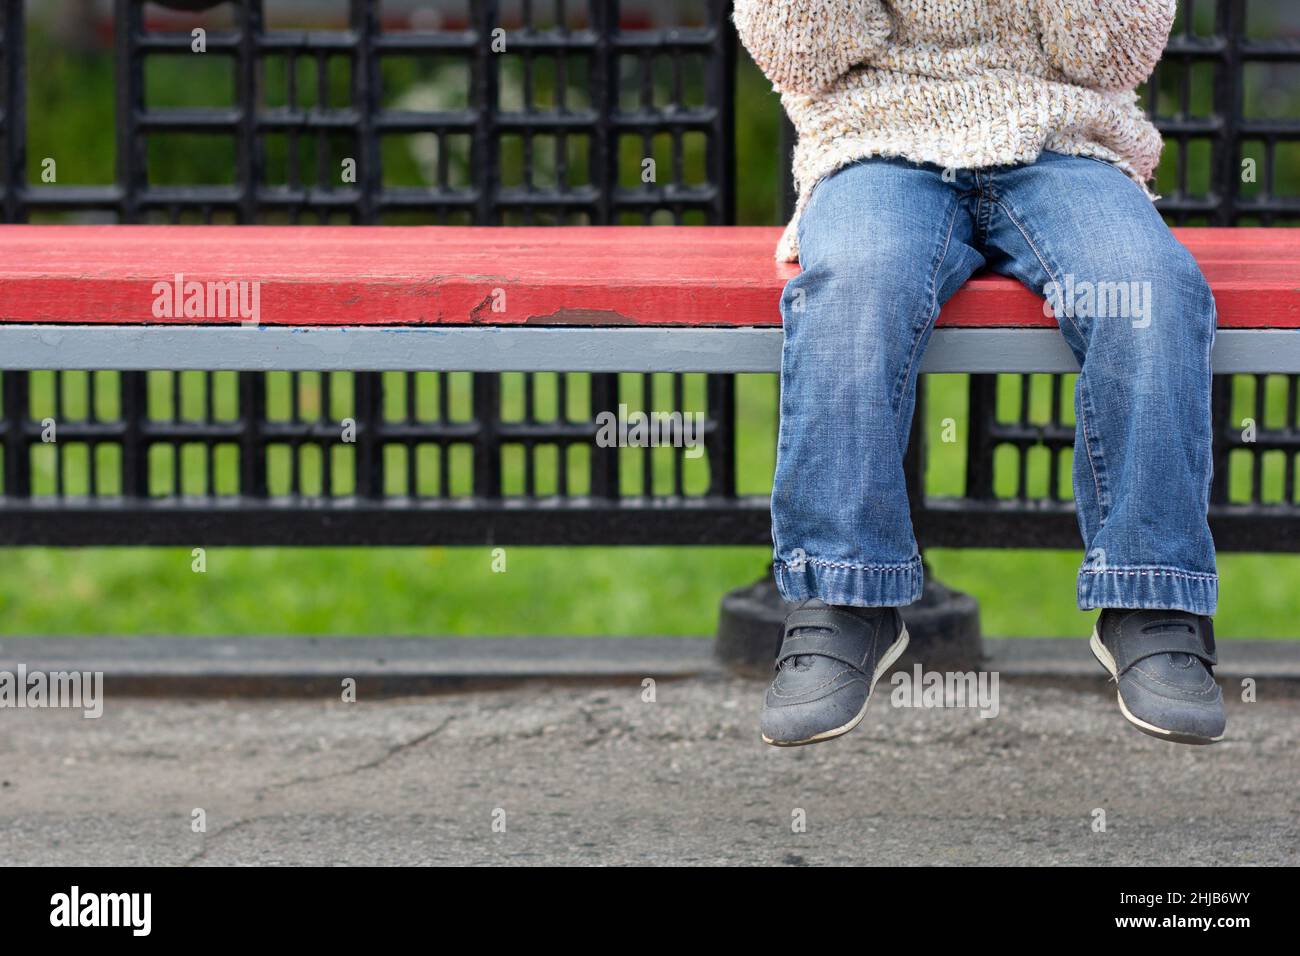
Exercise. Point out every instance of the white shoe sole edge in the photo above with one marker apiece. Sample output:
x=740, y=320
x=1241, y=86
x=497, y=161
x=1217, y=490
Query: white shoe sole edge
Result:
x=1107, y=660
x=895, y=651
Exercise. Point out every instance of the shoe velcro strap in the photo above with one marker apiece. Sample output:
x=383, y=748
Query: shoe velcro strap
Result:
x=817, y=631
x=1169, y=643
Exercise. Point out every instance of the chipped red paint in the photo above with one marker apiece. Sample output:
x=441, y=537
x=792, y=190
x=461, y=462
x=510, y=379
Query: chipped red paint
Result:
x=642, y=276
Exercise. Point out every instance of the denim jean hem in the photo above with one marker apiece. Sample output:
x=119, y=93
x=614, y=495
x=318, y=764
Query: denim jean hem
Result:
x=1154, y=588
x=859, y=585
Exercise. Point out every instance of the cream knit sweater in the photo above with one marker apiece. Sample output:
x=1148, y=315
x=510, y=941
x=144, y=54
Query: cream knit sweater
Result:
x=959, y=83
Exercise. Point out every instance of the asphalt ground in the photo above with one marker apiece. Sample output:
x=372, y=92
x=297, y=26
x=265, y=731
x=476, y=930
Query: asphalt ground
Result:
x=541, y=772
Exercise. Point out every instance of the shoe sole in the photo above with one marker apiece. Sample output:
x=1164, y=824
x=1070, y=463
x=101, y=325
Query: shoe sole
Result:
x=1107, y=660
x=891, y=655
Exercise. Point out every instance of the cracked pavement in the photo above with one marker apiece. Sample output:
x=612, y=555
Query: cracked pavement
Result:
x=591, y=774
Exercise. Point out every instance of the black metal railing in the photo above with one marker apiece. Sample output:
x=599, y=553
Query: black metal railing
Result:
x=589, y=90
x=443, y=128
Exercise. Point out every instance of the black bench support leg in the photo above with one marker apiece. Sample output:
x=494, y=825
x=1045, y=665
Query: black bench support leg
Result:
x=944, y=627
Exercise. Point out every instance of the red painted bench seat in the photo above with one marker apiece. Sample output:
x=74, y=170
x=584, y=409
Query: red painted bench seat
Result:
x=576, y=276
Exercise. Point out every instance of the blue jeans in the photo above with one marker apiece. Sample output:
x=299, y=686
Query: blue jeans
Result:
x=883, y=244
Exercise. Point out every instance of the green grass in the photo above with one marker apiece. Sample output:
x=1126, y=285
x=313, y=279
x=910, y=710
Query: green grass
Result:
x=571, y=591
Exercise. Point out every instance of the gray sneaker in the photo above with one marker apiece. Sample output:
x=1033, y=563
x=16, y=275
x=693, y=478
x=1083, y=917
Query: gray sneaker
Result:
x=830, y=659
x=1162, y=662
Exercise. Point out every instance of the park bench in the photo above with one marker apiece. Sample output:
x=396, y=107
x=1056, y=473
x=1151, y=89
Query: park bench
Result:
x=597, y=299
x=259, y=299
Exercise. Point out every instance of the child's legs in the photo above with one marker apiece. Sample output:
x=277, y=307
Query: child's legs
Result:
x=882, y=244
x=1140, y=318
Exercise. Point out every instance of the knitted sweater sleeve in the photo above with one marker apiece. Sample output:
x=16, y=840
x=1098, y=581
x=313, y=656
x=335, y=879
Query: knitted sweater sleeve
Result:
x=1105, y=44
x=803, y=46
